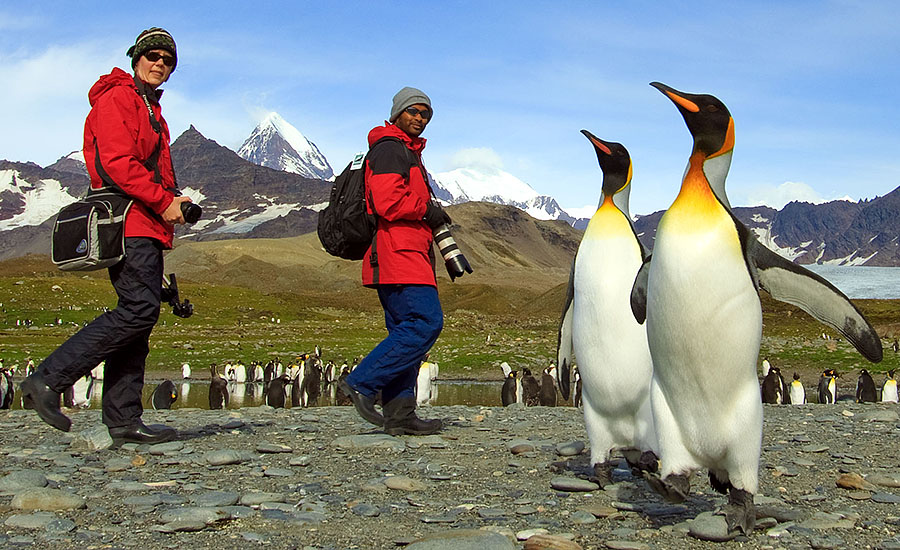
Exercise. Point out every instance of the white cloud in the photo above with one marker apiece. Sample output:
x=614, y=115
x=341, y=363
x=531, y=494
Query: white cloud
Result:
x=483, y=158
x=582, y=211
x=778, y=196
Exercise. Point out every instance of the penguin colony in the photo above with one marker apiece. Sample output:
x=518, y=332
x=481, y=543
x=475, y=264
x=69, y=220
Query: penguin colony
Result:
x=655, y=334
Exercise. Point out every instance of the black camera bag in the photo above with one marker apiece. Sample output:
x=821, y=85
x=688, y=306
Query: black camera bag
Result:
x=89, y=234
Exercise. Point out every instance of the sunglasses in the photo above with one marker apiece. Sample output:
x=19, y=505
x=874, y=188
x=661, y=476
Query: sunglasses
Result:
x=153, y=57
x=424, y=113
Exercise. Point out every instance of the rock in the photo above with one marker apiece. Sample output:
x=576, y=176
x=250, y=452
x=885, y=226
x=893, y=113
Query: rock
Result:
x=271, y=448
x=882, y=415
x=826, y=543
x=37, y=520
x=15, y=482
x=44, y=498
x=813, y=448
x=550, y=542
x=144, y=500
x=626, y=545
x=193, y=514
x=370, y=441
x=60, y=526
x=213, y=499
x=166, y=448
x=886, y=498
x=711, y=527
x=366, y=510
x=223, y=457
x=519, y=446
x=581, y=517
x=257, y=498
x=528, y=533
x=492, y=513
x=600, y=510
x=303, y=461
x=92, y=439
x=824, y=521
x=403, y=483
x=278, y=472
x=884, y=479
x=570, y=448
x=464, y=539
x=573, y=484
x=854, y=481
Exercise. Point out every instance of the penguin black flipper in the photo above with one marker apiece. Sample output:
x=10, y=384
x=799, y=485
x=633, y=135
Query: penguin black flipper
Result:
x=564, y=338
x=788, y=282
x=639, y=292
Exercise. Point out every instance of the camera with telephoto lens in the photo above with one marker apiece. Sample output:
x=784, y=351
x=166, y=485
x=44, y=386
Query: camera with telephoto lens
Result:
x=170, y=294
x=191, y=212
x=456, y=262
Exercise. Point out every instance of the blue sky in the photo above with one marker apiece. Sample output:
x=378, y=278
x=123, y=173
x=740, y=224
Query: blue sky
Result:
x=812, y=85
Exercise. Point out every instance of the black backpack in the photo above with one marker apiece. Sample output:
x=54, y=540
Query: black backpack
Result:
x=345, y=228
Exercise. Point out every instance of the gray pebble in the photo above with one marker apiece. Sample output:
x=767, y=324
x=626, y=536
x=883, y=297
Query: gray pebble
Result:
x=193, y=514
x=369, y=441
x=257, y=498
x=463, y=539
x=570, y=448
x=711, y=527
x=144, y=500
x=215, y=499
x=581, y=517
x=366, y=510
x=168, y=447
x=223, y=457
x=37, y=520
x=278, y=472
x=826, y=543
x=15, y=482
x=60, y=526
x=626, y=545
x=45, y=498
x=573, y=484
x=303, y=461
x=492, y=513
x=272, y=448
x=885, y=498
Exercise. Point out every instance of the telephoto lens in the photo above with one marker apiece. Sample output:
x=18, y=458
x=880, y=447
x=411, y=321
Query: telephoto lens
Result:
x=456, y=262
x=191, y=212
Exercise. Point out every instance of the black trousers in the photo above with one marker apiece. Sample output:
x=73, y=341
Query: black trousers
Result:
x=120, y=337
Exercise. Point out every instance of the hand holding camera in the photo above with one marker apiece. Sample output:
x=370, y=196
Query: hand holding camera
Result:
x=456, y=263
x=435, y=216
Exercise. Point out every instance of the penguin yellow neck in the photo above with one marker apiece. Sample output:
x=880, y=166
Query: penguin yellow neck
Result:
x=696, y=196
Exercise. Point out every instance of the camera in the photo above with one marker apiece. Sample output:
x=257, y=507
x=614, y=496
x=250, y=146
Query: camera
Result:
x=456, y=262
x=191, y=212
x=170, y=294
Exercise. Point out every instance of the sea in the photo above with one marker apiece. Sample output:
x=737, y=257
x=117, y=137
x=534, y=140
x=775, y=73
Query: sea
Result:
x=862, y=282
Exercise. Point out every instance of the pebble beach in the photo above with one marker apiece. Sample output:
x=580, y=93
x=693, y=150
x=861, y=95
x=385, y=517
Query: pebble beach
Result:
x=498, y=478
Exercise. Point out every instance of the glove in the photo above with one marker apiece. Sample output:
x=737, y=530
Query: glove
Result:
x=435, y=216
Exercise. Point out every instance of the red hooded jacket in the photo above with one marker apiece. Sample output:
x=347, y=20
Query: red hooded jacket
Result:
x=397, y=193
x=118, y=140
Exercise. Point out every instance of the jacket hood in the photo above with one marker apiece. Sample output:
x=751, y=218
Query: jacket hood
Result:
x=415, y=144
x=118, y=77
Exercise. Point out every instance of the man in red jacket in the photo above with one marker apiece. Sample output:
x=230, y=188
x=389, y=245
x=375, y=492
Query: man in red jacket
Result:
x=126, y=147
x=400, y=265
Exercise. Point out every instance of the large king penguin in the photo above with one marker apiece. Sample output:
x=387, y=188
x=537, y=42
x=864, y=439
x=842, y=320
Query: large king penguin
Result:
x=704, y=322
x=598, y=326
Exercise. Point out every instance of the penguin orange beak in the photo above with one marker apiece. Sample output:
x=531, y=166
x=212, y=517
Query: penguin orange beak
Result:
x=598, y=143
x=676, y=97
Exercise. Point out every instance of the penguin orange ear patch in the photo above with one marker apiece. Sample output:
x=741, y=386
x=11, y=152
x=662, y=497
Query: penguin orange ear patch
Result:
x=686, y=103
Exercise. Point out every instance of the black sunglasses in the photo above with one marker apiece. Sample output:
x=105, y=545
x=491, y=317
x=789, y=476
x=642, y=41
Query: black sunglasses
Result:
x=153, y=57
x=424, y=113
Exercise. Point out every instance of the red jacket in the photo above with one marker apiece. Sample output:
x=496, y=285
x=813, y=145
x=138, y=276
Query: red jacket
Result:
x=397, y=193
x=118, y=140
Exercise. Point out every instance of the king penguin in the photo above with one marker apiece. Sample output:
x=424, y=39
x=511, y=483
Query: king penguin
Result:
x=889, y=389
x=698, y=294
x=797, y=393
x=865, y=388
x=827, y=391
x=164, y=395
x=597, y=324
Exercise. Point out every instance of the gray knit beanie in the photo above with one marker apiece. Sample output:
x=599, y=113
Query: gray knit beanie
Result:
x=407, y=97
x=154, y=38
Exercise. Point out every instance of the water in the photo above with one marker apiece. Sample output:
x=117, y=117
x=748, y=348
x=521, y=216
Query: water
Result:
x=861, y=281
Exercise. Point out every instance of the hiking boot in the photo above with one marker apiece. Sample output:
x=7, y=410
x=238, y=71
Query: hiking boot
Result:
x=38, y=396
x=400, y=418
x=365, y=405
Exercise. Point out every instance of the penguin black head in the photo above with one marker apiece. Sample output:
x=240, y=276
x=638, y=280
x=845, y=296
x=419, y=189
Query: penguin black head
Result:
x=706, y=117
x=891, y=373
x=615, y=162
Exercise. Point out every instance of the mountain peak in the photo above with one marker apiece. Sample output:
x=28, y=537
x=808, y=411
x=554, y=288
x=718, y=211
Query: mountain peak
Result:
x=275, y=143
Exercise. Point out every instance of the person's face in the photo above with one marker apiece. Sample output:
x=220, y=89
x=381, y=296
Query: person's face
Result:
x=414, y=124
x=155, y=72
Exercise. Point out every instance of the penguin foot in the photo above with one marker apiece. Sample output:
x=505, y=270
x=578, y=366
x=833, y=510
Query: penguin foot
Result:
x=719, y=486
x=674, y=488
x=602, y=473
x=740, y=512
x=646, y=462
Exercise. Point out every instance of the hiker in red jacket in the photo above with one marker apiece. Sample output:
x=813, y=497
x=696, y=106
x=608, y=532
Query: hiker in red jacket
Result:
x=126, y=147
x=400, y=265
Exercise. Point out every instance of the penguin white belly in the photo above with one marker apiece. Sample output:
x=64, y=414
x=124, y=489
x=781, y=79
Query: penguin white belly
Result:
x=423, y=385
x=889, y=392
x=704, y=325
x=610, y=346
x=798, y=394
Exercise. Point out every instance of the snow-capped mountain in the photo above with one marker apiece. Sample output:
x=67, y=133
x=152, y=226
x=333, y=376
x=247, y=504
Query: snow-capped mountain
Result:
x=491, y=184
x=276, y=144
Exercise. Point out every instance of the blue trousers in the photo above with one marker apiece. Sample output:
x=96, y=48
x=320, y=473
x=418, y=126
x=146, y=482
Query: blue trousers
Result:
x=413, y=318
x=120, y=337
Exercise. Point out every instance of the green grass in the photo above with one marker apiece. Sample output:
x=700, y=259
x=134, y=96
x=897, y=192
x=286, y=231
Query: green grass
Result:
x=235, y=324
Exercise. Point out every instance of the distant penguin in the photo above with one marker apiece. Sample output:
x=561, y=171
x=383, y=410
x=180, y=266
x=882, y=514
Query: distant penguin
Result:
x=508, y=391
x=531, y=389
x=312, y=381
x=889, y=389
x=827, y=390
x=268, y=373
x=426, y=386
x=548, y=388
x=699, y=296
x=218, y=389
x=895, y=346
x=275, y=392
x=865, y=388
x=79, y=394
x=164, y=395
x=797, y=393
x=7, y=389
x=297, y=394
x=773, y=390
x=340, y=398
x=599, y=329
x=185, y=371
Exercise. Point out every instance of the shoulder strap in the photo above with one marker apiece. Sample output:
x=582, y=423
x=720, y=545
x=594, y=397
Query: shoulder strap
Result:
x=413, y=161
